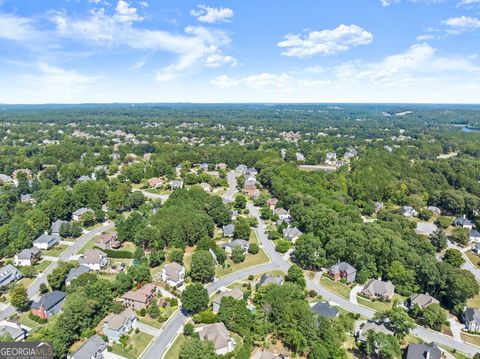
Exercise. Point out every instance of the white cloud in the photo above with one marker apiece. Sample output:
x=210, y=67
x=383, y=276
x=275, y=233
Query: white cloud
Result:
x=218, y=60
x=461, y=24
x=421, y=38
x=223, y=81
x=212, y=15
x=126, y=13
x=390, y=2
x=17, y=28
x=468, y=3
x=260, y=81
x=325, y=42
x=143, y=3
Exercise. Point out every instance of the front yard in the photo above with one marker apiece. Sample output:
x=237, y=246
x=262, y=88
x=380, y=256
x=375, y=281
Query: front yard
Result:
x=136, y=343
x=174, y=350
x=378, y=305
x=55, y=251
x=41, y=266
x=336, y=287
x=475, y=259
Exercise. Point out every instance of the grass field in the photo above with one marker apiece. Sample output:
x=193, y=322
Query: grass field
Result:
x=473, y=258
x=378, y=305
x=137, y=342
x=55, y=251
x=25, y=320
x=474, y=302
x=89, y=245
x=250, y=260
x=472, y=339
x=41, y=266
x=174, y=349
x=336, y=287
x=150, y=321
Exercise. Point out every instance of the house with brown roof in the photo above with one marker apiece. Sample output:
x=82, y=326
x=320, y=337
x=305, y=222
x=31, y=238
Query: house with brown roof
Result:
x=272, y=202
x=218, y=334
x=235, y=293
x=173, y=274
x=377, y=289
x=117, y=325
x=250, y=190
x=94, y=258
x=155, y=182
x=420, y=300
x=108, y=241
x=140, y=298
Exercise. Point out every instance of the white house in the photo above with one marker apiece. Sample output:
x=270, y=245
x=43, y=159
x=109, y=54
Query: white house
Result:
x=27, y=257
x=218, y=334
x=77, y=215
x=173, y=274
x=46, y=241
x=95, y=259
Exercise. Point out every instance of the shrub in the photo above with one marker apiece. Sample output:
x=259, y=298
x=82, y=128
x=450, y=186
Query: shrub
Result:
x=253, y=248
x=111, y=253
x=206, y=316
x=188, y=329
x=36, y=318
x=142, y=312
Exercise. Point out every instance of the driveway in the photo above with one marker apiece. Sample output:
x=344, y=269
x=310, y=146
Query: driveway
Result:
x=353, y=293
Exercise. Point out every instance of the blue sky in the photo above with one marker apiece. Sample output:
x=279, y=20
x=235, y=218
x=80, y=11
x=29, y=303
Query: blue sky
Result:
x=74, y=51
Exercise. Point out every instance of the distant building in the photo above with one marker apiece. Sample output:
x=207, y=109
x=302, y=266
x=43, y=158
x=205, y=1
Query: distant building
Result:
x=173, y=274
x=377, y=289
x=292, y=234
x=272, y=202
x=15, y=330
x=281, y=213
x=77, y=215
x=141, y=298
x=236, y=243
x=46, y=241
x=27, y=198
x=155, y=182
x=420, y=300
x=424, y=351
x=117, y=325
x=108, y=241
x=408, y=211
x=27, y=257
x=174, y=184
x=94, y=348
x=9, y=274
x=463, y=222
x=49, y=304
x=474, y=236
x=55, y=228
x=435, y=210
x=94, y=258
x=361, y=334
x=228, y=230
x=206, y=187
x=4, y=179
x=74, y=273
x=471, y=318
x=342, y=270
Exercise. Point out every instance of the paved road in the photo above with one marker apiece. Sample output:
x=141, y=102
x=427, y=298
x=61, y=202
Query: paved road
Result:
x=232, y=186
x=162, y=197
x=34, y=288
x=467, y=265
x=174, y=326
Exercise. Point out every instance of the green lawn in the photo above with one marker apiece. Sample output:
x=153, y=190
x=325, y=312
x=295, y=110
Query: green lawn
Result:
x=41, y=266
x=25, y=282
x=473, y=258
x=378, y=305
x=472, y=339
x=474, y=302
x=137, y=342
x=128, y=246
x=25, y=320
x=174, y=350
x=55, y=251
x=150, y=321
x=89, y=245
x=336, y=287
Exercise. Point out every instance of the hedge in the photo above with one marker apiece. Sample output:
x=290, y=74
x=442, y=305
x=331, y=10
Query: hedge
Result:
x=116, y=254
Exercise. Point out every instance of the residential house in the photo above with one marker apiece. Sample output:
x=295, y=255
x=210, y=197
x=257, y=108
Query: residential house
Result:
x=27, y=198
x=221, y=166
x=48, y=304
x=463, y=222
x=174, y=184
x=236, y=243
x=471, y=319
x=218, y=334
x=55, y=228
x=299, y=157
x=350, y=154
x=408, y=211
x=213, y=173
x=424, y=351
x=435, y=210
x=27, y=257
x=476, y=248
x=292, y=234
x=141, y=298
x=420, y=300
x=281, y=213
x=94, y=258
x=272, y=202
x=4, y=179
x=251, y=171
x=77, y=215
x=206, y=187
x=265, y=354
x=9, y=274
x=46, y=241
x=377, y=207
x=117, y=325
x=203, y=166
x=178, y=169
x=228, y=230
x=94, y=348
x=266, y=279
x=342, y=270
x=84, y=178
x=250, y=190
x=235, y=293
x=242, y=169
x=108, y=241
x=74, y=273
x=173, y=274
x=324, y=309
x=15, y=330
x=155, y=182
x=331, y=158
x=233, y=214
x=362, y=332
x=474, y=236
x=377, y=289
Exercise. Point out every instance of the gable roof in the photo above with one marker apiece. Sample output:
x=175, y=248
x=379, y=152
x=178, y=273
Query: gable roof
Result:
x=55, y=228
x=378, y=287
x=49, y=300
x=76, y=272
x=423, y=300
x=270, y=279
x=342, y=267
x=216, y=333
x=47, y=238
x=93, y=345
x=228, y=229
x=117, y=321
x=28, y=253
x=324, y=309
x=235, y=293
x=472, y=315
x=292, y=232
x=423, y=351
x=141, y=294
x=172, y=270
x=376, y=327
x=82, y=211
x=92, y=256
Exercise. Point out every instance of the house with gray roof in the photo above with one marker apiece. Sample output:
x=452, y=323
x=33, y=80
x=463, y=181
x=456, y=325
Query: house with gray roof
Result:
x=5, y=179
x=77, y=215
x=324, y=309
x=55, y=227
x=471, y=319
x=228, y=230
x=48, y=304
x=435, y=210
x=266, y=279
x=463, y=222
x=27, y=198
x=292, y=234
x=265, y=354
x=94, y=348
x=424, y=351
x=174, y=184
x=342, y=270
x=74, y=273
x=235, y=293
x=173, y=274
x=377, y=289
x=46, y=241
x=362, y=332
x=27, y=257
x=15, y=330
x=218, y=334
x=9, y=274
x=236, y=243
x=408, y=211
x=117, y=325
x=94, y=258
x=474, y=236
x=84, y=178
x=420, y=300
